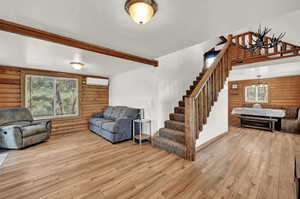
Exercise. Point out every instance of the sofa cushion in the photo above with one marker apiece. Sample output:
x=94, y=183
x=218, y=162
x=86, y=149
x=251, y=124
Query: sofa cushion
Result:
x=109, y=126
x=122, y=113
x=118, y=112
x=24, y=123
x=9, y=115
x=132, y=113
x=107, y=112
x=98, y=121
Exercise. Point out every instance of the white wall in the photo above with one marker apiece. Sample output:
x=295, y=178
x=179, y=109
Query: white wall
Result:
x=137, y=89
x=158, y=90
x=217, y=123
x=266, y=70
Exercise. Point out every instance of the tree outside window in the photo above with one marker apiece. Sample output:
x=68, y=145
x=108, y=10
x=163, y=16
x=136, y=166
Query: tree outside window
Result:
x=51, y=97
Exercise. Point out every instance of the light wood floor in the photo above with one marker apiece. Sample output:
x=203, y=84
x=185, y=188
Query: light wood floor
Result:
x=243, y=164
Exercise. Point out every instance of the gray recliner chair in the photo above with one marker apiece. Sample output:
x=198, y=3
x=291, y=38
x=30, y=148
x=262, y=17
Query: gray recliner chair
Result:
x=18, y=130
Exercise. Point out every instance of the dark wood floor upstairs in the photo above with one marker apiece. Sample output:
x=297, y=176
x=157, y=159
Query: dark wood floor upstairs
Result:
x=243, y=164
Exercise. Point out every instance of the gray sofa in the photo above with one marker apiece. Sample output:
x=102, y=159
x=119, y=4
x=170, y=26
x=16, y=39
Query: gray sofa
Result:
x=115, y=123
x=18, y=130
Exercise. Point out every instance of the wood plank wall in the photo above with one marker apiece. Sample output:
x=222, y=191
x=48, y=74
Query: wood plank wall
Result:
x=283, y=92
x=93, y=98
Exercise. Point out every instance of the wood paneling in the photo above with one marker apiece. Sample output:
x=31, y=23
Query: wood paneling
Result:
x=283, y=92
x=92, y=98
x=47, y=36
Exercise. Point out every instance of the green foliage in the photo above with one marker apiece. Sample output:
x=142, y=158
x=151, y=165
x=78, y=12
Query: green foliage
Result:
x=48, y=97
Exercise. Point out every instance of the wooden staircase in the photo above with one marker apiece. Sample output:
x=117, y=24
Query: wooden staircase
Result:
x=172, y=137
x=182, y=129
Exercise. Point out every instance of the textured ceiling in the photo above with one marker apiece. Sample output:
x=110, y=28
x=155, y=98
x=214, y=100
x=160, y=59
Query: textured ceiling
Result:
x=178, y=24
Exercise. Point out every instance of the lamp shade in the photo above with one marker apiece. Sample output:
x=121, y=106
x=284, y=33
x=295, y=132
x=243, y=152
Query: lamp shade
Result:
x=141, y=11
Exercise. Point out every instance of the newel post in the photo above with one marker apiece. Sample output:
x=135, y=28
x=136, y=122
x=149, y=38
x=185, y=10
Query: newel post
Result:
x=190, y=128
x=230, y=38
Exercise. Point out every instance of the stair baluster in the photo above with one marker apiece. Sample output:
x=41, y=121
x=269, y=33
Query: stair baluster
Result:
x=198, y=104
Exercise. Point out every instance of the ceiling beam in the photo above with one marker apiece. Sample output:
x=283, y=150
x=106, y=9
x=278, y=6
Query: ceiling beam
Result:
x=47, y=36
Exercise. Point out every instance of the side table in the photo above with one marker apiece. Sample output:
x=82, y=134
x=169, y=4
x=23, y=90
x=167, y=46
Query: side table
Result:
x=142, y=136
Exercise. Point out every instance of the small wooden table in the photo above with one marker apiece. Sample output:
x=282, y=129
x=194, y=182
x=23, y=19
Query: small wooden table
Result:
x=258, y=122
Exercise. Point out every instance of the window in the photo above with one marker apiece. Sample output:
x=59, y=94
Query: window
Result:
x=256, y=93
x=210, y=57
x=51, y=97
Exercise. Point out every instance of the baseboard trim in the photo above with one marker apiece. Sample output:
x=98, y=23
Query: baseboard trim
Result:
x=209, y=142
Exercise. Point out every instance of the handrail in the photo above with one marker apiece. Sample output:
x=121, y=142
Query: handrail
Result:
x=277, y=53
x=199, y=103
x=211, y=69
x=252, y=33
x=243, y=56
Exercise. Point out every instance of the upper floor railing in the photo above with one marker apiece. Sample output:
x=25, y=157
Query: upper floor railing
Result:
x=242, y=56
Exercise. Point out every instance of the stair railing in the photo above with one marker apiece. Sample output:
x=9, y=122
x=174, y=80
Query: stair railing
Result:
x=198, y=105
x=242, y=56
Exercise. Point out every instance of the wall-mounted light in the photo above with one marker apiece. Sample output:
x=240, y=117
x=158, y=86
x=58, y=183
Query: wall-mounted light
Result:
x=77, y=65
x=141, y=11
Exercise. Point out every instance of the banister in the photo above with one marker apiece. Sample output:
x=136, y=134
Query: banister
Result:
x=252, y=33
x=211, y=69
x=243, y=56
x=241, y=34
x=199, y=103
x=279, y=41
x=271, y=54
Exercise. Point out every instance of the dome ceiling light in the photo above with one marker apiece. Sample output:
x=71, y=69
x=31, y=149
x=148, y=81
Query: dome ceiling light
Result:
x=141, y=11
x=77, y=65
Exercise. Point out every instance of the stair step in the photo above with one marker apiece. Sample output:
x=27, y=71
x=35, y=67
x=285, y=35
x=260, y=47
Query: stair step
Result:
x=183, y=97
x=189, y=92
x=181, y=103
x=177, y=117
x=199, y=78
x=169, y=145
x=176, y=136
x=195, y=83
x=179, y=110
x=175, y=125
x=192, y=87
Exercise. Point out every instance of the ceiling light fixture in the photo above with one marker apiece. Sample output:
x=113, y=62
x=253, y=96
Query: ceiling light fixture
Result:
x=141, y=11
x=77, y=65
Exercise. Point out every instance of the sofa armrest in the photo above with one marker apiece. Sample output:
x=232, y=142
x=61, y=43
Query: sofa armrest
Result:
x=97, y=115
x=46, y=123
x=11, y=137
x=290, y=125
x=124, y=126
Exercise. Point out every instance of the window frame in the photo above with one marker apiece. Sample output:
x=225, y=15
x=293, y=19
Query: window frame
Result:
x=266, y=100
x=54, y=91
